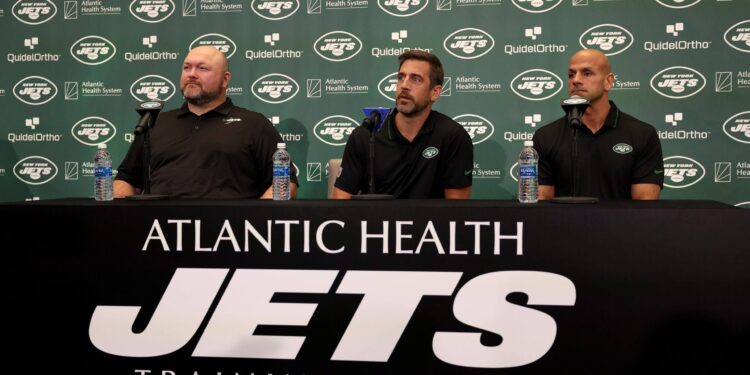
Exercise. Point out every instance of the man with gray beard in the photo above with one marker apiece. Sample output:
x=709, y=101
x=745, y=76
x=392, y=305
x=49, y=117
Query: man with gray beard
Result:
x=208, y=148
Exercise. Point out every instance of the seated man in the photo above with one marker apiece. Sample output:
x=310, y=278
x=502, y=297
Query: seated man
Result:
x=208, y=148
x=619, y=156
x=420, y=153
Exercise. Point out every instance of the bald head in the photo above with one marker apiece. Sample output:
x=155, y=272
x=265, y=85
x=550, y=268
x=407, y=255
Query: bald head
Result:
x=590, y=76
x=594, y=57
x=209, y=55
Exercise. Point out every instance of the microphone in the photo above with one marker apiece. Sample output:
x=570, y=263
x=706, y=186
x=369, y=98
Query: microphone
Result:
x=149, y=111
x=575, y=107
x=375, y=117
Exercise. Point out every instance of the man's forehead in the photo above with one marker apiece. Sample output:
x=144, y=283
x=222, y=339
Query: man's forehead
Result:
x=415, y=67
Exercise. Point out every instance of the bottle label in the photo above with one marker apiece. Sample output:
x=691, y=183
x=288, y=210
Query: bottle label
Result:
x=281, y=171
x=103, y=172
x=527, y=171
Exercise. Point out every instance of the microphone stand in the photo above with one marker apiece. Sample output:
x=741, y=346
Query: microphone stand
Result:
x=371, y=169
x=143, y=127
x=574, y=123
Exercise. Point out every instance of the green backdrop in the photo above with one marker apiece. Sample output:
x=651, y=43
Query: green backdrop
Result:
x=73, y=72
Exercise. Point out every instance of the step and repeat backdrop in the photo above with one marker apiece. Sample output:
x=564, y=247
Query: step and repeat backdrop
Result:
x=74, y=70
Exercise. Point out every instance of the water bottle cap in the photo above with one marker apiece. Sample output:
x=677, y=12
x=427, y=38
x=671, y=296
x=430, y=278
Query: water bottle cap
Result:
x=281, y=145
x=528, y=143
x=101, y=145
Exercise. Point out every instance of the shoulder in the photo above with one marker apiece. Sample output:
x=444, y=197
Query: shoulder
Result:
x=633, y=124
x=246, y=114
x=553, y=128
x=447, y=125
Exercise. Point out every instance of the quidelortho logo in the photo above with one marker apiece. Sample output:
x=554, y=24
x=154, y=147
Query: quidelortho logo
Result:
x=678, y=4
x=275, y=88
x=34, y=12
x=35, y=170
x=609, y=38
x=681, y=172
x=335, y=130
x=221, y=42
x=737, y=127
x=536, y=84
x=536, y=6
x=479, y=128
x=275, y=10
x=35, y=90
x=468, y=43
x=678, y=82
x=93, y=50
x=387, y=86
x=152, y=11
x=402, y=8
x=337, y=46
x=737, y=36
x=93, y=130
x=152, y=87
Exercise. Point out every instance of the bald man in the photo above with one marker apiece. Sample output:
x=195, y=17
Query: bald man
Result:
x=619, y=156
x=209, y=148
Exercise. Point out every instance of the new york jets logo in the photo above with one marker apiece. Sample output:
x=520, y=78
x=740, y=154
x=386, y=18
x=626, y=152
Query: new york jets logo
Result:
x=468, y=43
x=337, y=46
x=678, y=4
x=536, y=84
x=152, y=87
x=93, y=50
x=737, y=36
x=681, y=172
x=93, y=130
x=275, y=88
x=430, y=152
x=402, y=8
x=737, y=127
x=335, y=130
x=387, y=86
x=609, y=38
x=622, y=148
x=479, y=128
x=35, y=170
x=34, y=12
x=274, y=10
x=221, y=42
x=152, y=11
x=536, y=6
x=35, y=90
x=678, y=82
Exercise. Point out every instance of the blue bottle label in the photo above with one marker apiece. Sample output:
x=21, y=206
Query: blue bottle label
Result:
x=103, y=172
x=280, y=170
x=527, y=171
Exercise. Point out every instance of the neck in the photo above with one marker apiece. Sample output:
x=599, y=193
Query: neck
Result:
x=596, y=114
x=410, y=126
x=200, y=109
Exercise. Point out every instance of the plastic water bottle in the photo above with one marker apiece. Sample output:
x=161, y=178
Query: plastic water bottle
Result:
x=281, y=169
x=103, y=174
x=528, y=181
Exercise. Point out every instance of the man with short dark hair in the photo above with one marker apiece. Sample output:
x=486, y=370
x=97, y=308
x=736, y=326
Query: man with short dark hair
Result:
x=208, y=148
x=619, y=156
x=421, y=153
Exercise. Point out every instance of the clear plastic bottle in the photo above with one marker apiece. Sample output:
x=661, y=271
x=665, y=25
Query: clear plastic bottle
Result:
x=528, y=181
x=103, y=174
x=281, y=168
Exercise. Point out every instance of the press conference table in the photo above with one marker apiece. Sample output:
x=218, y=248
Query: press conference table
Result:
x=424, y=286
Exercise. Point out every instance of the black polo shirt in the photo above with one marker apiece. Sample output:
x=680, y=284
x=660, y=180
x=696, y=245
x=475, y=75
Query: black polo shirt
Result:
x=623, y=152
x=224, y=154
x=440, y=157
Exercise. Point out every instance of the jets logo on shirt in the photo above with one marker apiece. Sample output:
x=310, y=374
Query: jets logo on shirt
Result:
x=622, y=148
x=430, y=152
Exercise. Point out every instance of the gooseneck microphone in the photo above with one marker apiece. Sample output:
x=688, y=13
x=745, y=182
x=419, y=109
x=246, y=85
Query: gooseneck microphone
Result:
x=575, y=106
x=148, y=111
